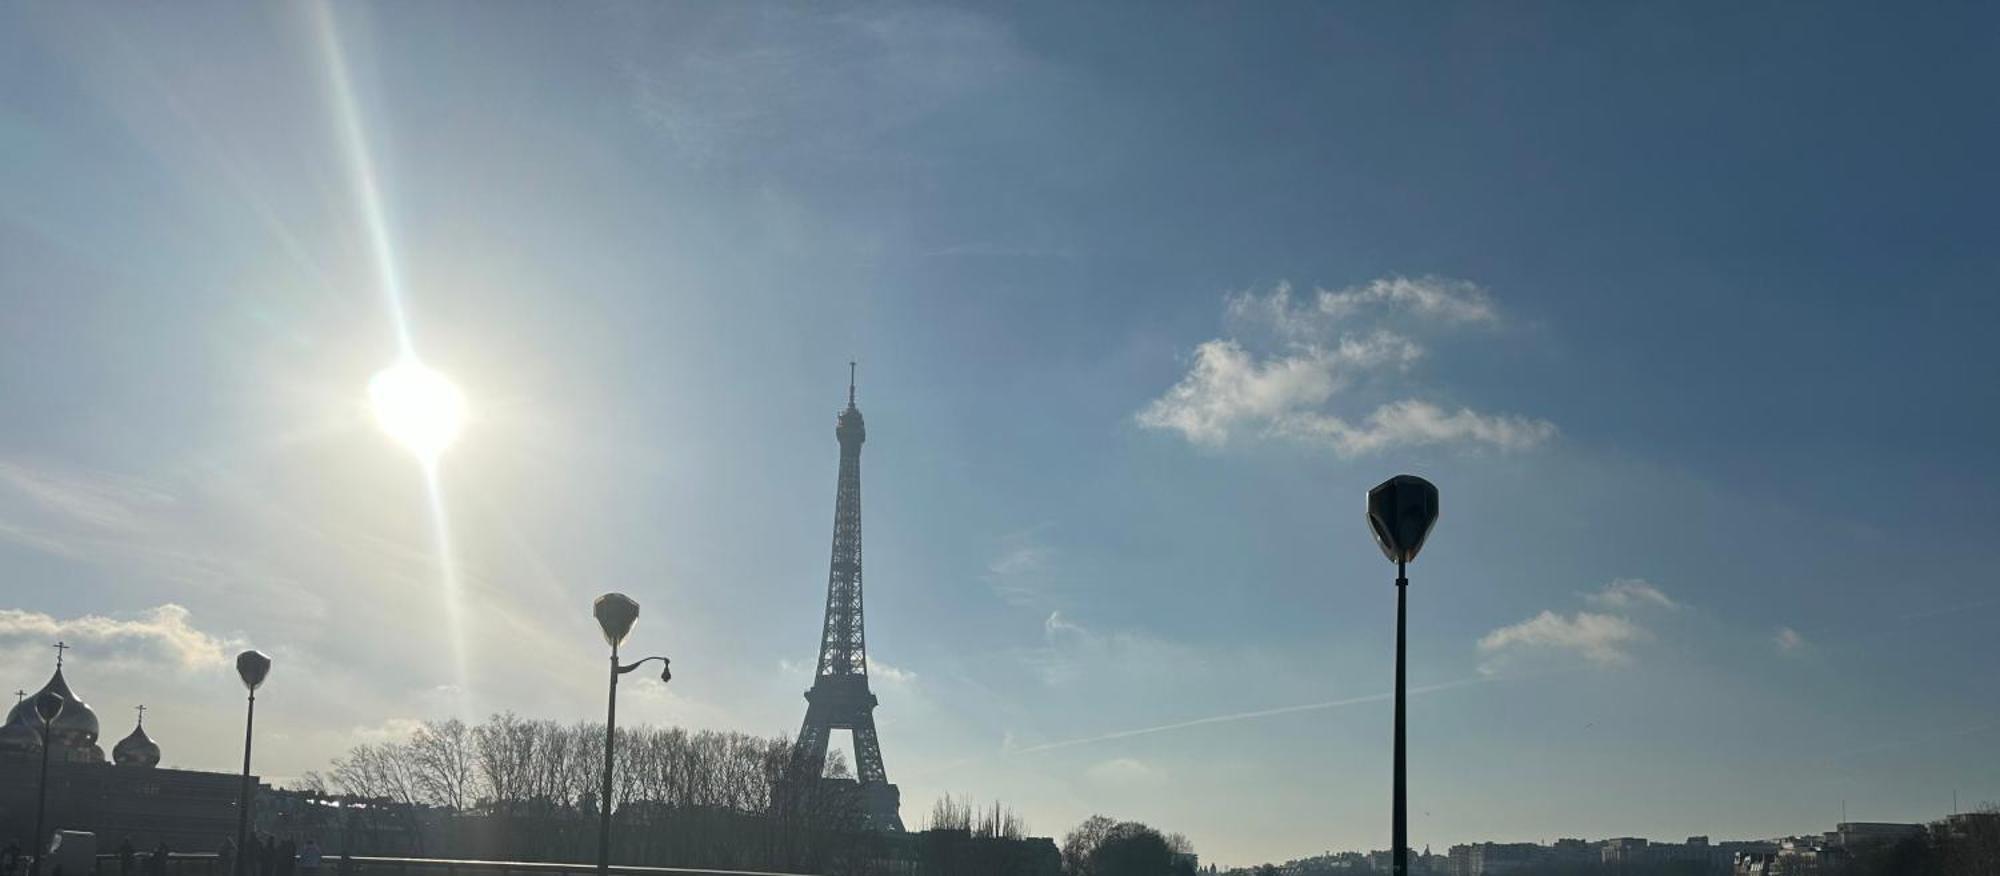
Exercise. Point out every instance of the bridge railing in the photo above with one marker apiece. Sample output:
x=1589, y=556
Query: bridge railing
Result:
x=209, y=864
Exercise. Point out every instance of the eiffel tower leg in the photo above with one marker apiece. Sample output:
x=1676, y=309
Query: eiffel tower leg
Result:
x=809, y=755
x=868, y=751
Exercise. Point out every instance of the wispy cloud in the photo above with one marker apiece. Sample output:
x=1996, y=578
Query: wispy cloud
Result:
x=790, y=84
x=1625, y=593
x=1412, y=423
x=892, y=675
x=1601, y=638
x=1057, y=626
x=1326, y=313
x=1788, y=641
x=94, y=500
x=1243, y=716
x=1022, y=572
x=1287, y=362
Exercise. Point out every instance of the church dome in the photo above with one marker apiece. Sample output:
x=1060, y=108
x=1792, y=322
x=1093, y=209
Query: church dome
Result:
x=19, y=736
x=137, y=749
x=76, y=727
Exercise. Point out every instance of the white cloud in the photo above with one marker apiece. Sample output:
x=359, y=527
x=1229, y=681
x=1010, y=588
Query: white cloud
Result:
x=1057, y=627
x=1625, y=593
x=1232, y=391
x=164, y=631
x=880, y=671
x=1411, y=423
x=1227, y=389
x=877, y=671
x=1788, y=640
x=1021, y=574
x=1438, y=298
x=1599, y=638
x=1603, y=637
x=1124, y=772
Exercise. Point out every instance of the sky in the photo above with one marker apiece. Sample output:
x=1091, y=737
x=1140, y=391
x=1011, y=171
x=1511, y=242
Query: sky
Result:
x=1686, y=310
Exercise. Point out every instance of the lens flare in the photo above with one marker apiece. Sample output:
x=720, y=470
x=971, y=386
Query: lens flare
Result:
x=419, y=407
x=416, y=405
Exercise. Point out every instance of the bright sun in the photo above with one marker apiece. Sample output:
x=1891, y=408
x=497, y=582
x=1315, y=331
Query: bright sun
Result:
x=418, y=406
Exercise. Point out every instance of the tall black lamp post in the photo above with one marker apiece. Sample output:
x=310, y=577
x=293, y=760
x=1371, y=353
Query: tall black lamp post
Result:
x=615, y=613
x=48, y=705
x=1401, y=511
x=252, y=667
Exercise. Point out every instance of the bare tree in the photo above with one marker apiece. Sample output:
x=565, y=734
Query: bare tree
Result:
x=442, y=758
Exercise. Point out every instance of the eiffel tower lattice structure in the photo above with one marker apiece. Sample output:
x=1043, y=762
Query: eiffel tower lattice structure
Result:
x=839, y=698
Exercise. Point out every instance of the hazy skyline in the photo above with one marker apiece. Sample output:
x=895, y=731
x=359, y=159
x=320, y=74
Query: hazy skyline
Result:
x=1684, y=310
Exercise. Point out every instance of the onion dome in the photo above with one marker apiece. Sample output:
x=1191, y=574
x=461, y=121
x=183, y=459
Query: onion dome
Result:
x=137, y=749
x=75, y=728
x=18, y=735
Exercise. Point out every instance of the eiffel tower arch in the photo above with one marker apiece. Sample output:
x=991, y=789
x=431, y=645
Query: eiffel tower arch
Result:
x=840, y=698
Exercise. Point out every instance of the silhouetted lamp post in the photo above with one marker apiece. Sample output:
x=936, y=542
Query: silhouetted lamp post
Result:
x=1401, y=511
x=252, y=667
x=48, y=705
x=615, y=613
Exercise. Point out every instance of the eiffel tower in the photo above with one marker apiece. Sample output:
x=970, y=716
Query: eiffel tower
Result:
x=839, y=698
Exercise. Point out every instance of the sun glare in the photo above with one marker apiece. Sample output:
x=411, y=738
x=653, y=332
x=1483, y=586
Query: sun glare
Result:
x=418, y=407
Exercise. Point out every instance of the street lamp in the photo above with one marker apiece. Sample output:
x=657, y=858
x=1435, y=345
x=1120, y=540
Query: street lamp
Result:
x=48, y=705
x=1401, y=511
x=252, y=667
x=615, y=613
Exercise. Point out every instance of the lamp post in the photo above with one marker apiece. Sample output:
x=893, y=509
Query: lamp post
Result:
x=48, y=705
x=615, y=613
x=1401, y=511
x=252, y=667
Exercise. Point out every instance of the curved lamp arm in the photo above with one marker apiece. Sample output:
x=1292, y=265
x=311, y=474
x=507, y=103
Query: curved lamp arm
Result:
x=666, y=667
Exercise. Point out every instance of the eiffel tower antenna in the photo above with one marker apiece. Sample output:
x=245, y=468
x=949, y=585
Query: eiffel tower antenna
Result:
x=839, y=698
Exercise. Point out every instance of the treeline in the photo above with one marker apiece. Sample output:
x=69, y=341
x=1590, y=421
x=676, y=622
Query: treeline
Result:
x=527, y=790
x=1103, y=846
x=519, y=789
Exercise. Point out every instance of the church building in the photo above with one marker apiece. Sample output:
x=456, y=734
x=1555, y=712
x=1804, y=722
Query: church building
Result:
x=127, y=796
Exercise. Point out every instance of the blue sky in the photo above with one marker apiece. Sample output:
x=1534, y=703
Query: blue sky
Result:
x=1687, y=311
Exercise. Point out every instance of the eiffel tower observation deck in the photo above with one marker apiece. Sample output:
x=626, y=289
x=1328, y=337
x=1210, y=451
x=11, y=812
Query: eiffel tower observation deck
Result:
x=839, y=698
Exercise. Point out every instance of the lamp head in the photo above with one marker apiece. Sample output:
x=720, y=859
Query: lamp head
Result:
x=615, y=613
x=48, y=705
x=252, y=667
x=1401, y=511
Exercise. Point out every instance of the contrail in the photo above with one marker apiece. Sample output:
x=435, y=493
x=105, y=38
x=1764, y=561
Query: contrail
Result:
x=1246, y=716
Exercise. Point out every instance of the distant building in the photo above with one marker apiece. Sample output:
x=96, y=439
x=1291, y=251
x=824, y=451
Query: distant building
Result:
x=1861, y=834
x=1491, y=858
x=1572, y=853
x=1460, y=858
x=1624, y=850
